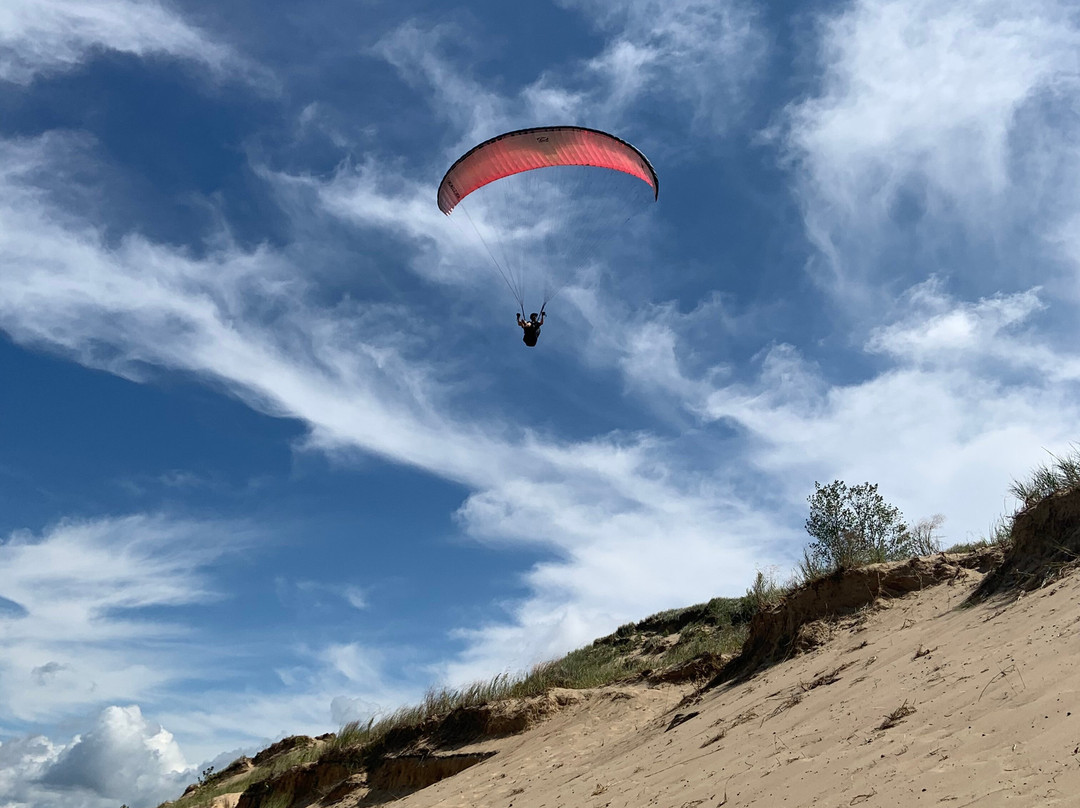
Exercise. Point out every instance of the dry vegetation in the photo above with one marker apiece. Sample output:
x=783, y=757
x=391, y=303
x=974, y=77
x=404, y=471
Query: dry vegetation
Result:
x=656, y=644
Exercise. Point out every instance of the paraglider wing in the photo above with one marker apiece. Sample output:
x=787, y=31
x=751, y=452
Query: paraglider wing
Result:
x=528, y=149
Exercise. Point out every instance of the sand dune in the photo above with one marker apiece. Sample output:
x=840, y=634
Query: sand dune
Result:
x=914, y=700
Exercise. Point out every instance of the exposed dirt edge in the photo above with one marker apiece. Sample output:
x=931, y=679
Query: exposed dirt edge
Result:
x=467, y=725
x=789, y=627
x=303, y=784
x=413, y=772
x=698, y=669
x=406, y=759
x=1045, y=541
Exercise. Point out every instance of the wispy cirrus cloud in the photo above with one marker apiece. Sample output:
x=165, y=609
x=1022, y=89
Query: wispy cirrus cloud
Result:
x=78, y=637
x=922, y=162
x=42, y=37
x=699, y=55
x=934, y=123
x=885, y=122
x=695, y=58
x=244, y=321
x=938, y=331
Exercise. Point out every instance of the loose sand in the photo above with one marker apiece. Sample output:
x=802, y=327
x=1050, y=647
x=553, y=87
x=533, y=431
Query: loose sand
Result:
x=983, y=702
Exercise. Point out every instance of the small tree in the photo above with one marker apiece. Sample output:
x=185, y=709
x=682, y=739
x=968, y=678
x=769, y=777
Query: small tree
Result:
x=851, y=527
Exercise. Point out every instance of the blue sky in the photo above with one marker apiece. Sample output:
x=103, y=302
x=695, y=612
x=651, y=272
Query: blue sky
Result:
x=272, y=454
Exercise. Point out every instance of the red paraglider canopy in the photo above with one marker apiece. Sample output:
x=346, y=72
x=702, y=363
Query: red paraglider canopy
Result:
x=540, y=147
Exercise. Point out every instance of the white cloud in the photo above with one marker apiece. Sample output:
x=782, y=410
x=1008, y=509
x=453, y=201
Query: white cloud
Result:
x=969, y=400
x=417, y=53
x=319, y=687
x=356, y=597
x=660, y=548
x=345, y=709
x=932, y=117
x=932, y=157
x=695, y=58
x=937, y=331
x=122, y=758
x=666, y=356
x=38, y=37
x=77, y=639
x=22, y=761
x=702, y=54
x=315, y=592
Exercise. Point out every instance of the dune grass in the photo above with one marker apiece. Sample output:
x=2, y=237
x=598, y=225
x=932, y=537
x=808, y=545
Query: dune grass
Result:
x=1060, y=475
x=999, y=534
x=718, y=626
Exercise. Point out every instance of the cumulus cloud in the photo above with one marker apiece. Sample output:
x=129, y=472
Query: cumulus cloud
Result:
x=122, y=757
x=39, y=37
x=345, y=709
x=22, y=762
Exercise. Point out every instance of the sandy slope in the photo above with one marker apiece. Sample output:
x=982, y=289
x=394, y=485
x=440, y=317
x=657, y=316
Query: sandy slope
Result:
x=996, y=721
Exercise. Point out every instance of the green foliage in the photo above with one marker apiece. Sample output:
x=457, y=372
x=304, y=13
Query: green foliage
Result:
x=353, y=734
x=851, y=527
x=283, y=800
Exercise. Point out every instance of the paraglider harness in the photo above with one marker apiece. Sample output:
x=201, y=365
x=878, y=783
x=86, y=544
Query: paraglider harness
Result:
x=531, y=326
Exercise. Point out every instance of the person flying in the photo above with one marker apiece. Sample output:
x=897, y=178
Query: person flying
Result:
x=550, y=199
x=531, y=327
